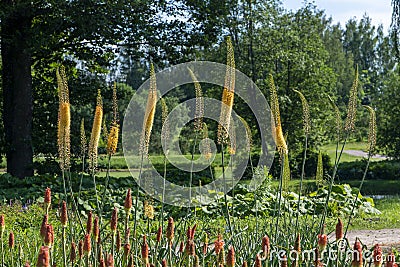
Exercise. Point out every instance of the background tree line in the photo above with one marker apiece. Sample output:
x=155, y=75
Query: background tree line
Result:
x=100, y=43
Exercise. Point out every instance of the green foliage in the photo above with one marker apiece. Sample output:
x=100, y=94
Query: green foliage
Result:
x=388, y=117
x=378, y=170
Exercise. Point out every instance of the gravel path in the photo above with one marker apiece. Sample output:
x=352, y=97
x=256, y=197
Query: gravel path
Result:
x=360, y=153
x=387, y=238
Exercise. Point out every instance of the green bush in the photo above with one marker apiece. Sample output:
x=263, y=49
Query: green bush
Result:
x=378, y=170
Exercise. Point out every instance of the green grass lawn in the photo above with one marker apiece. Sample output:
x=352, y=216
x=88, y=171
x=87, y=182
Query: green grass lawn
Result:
x=390, y=217
x=330, y=149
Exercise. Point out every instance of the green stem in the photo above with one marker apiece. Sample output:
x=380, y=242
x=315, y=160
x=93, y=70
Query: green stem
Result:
x=279, y=194
x=255, y=192
x=301, y=183
x=113, y=243
x=170, y=253
x=12, y=257
x=359, y=191
x=83, y=170
x=64, y=186
x=233, y=191
x=137, y=204
x=75, y=207
x=87, y=260
x=330, y=186
x=2, y=250
x=225, y=193
x=95, y=191
x=105, y=185
x=191, y=174
x=163, y=192
x=63, y=247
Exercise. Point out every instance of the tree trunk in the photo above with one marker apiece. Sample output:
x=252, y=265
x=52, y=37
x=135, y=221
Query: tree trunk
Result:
x=17, y=91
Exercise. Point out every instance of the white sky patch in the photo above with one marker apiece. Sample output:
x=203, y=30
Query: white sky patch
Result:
x=380, y=11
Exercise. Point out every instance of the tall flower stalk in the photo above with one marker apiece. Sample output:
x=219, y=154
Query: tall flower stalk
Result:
x=198, y=125
x=94, y=143
x=306, y=129
x=371, y=149
x=63, y=134
x=83, y=152
x=225, y=116
x=280, y=144
x=165, y=138
x=148, y=121
x=64, y=125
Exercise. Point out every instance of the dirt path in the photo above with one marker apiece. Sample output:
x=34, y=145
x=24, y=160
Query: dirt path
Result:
x=360, y=153
x=387, y=238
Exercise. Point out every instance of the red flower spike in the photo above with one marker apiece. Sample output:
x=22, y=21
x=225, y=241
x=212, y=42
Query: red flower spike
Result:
x=47, y=196
x=230, y=258
x=64, y=215
x=159, y=234
x=44, y=257
x=87, y=245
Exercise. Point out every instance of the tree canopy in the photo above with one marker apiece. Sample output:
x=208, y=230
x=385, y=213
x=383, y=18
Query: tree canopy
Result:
x=101, y=41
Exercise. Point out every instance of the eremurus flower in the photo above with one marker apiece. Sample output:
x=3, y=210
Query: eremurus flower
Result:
x=96, y=229
x=95, y=134
x=339, y=230
x=170, y=230
x=265, y=246
x=218, y=244
x=64, y=119
x=114, y=220
x=72, y=255
x=112, y=139
x=64, y=215
x=230, y=258
x=377, y=256
x=80, y=249
x=128, y=202
x=159, y=234
x=276, y=119
x=322, y=241
x=44, y=257
x=87, y=245
x=89, y=224
x=228, y=94
x=258, y=262
x=11, y=240
x=2, y=224
x=149, y=113
x=110, y=260
x=357, y=260
x=145, y=251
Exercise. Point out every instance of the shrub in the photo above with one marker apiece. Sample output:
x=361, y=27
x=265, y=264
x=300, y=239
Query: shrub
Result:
x=382, y=170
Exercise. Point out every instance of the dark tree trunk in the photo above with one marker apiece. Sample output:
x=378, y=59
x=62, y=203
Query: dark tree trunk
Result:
x=17, y=91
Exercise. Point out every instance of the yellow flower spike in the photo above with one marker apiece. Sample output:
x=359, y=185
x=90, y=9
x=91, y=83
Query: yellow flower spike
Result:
x=199, y=112
x=149, y=113
x=64, y=120
x=228, y=94
x=277, y=127
x=306, y=112
x=95, y=134
x=112, y=141
x=371, y=130
x=352, y=106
